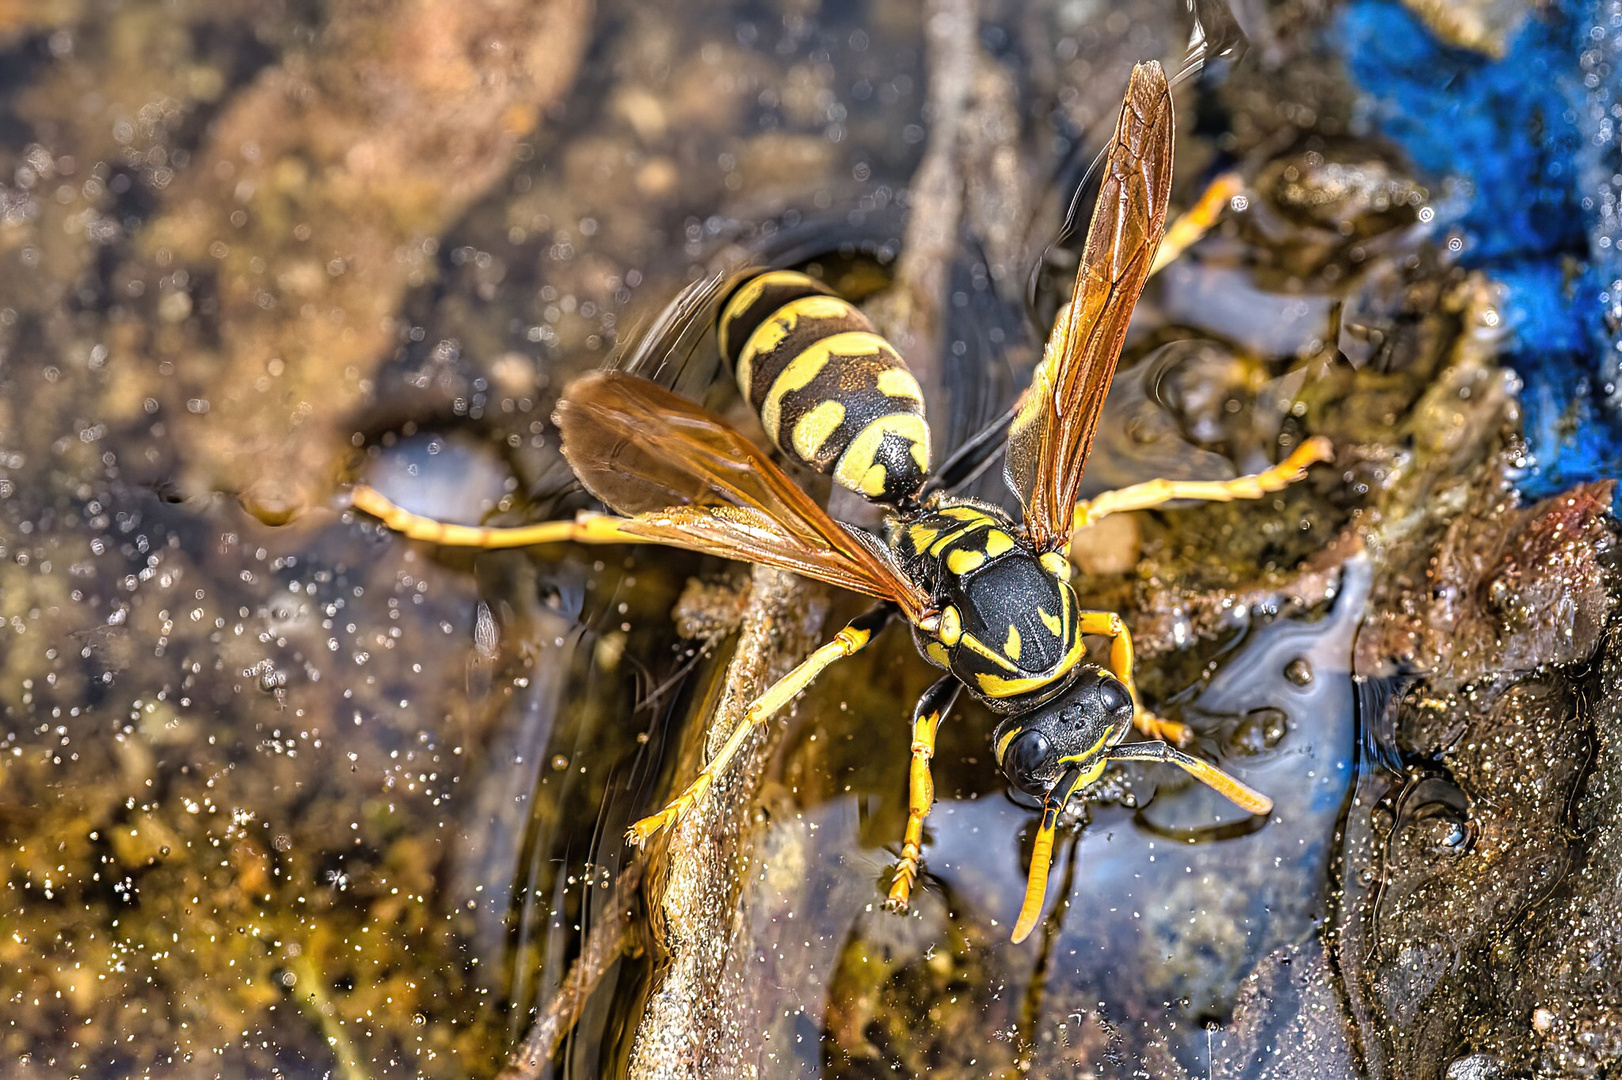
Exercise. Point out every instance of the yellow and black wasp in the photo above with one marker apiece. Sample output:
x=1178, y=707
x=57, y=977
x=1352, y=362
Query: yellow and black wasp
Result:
x=989, y=599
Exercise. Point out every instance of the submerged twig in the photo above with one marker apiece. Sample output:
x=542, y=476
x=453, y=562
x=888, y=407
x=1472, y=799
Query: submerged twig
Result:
x=605, y=943
x=909, y=313
x=694, y=1021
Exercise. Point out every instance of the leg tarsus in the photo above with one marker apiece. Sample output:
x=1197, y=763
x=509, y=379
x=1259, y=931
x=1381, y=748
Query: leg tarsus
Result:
x=1155, y=727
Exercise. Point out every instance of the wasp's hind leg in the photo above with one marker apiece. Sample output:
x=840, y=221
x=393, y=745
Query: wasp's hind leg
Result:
x=926, y=720
x=1153, y=493
x=582, y=529
x=849, y=641
x=1110, y=625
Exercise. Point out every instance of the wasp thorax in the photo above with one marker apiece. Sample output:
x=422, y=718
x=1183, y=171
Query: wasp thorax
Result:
x=1073, y=730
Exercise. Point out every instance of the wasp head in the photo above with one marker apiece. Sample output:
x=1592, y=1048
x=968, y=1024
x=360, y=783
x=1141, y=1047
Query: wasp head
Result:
x=1061, y=746
x=1067, y=736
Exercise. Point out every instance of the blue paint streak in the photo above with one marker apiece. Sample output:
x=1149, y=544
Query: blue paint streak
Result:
x=1524, y=149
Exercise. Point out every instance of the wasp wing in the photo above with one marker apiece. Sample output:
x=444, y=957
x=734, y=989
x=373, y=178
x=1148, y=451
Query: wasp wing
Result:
x=684, y=477
x=1052, y=433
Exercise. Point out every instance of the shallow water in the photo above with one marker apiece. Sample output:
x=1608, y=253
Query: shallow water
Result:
x=285, y=794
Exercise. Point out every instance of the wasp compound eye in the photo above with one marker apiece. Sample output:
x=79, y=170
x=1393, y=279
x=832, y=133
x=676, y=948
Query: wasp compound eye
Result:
x=1113, y=696
x=1026, y=760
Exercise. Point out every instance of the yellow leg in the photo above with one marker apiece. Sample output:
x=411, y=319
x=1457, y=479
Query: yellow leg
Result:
x=1153, y=493
x=583, y=529
x=1108, y=624
x=852, y=639
x=1197, y=220
x=926, y=719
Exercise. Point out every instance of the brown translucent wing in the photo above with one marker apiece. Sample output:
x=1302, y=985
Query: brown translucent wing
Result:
x=1050, y=437
x=684, y=477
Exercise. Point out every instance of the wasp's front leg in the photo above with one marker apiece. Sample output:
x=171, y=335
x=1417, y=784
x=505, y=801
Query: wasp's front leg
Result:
x=926, y=719
x=1110, y=625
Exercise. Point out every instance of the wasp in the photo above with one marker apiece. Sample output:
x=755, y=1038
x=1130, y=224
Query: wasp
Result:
x=989, y=599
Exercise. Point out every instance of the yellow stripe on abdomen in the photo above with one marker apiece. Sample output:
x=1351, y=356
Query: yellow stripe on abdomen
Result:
x=830, y=392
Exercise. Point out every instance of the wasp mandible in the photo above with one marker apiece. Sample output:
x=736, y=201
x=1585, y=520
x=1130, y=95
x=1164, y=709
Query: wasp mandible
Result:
x=989, y=599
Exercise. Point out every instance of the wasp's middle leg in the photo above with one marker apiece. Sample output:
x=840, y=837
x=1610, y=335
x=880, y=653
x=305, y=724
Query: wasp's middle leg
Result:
x=926, y=719
x=849, y=641
x=1110, y=625
x=1152, y=493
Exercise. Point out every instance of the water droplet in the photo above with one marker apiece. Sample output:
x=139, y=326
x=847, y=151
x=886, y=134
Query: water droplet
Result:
x=1259, y=730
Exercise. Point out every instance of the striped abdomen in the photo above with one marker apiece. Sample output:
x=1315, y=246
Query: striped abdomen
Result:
x=830, y=392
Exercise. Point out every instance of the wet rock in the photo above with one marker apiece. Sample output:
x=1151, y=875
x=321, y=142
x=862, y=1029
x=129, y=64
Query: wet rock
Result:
x=1453, y=869
x=1287, y=1022
x=1509, y=590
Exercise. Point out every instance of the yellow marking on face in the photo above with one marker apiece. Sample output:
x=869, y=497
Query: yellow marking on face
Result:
x=937, y=653
x=980, y=648
x=1012, y=644
x=1001, y=747
x=1056, y=564
x=998, y=543
x=951, y=626
x=1096, y=748
x=898, y=383
x=1054, y=624
x=807, y=366
x=856, y=469
x=816, y=426
x=995, y=686
x=964, y=560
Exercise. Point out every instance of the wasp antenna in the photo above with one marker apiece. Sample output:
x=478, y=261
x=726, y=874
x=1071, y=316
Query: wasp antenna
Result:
x=1036, y=883
x=1241, y=795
